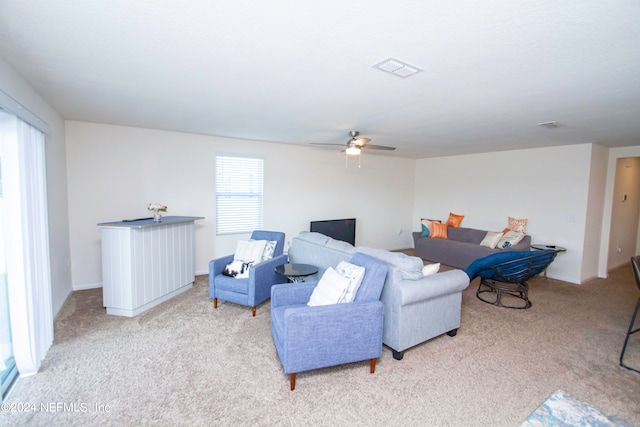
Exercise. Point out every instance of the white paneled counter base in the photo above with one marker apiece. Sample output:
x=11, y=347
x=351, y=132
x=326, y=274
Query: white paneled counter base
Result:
x=145, y=263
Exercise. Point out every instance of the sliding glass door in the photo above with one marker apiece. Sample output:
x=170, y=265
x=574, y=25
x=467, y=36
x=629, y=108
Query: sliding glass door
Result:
x=8, y=370
x=26, y=318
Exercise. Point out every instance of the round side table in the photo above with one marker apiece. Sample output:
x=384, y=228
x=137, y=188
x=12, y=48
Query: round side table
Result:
x=542, y=247
x=296, y=272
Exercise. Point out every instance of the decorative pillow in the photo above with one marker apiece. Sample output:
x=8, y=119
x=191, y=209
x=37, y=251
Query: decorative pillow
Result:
x=509, y=238
x=269, y=249
x=439, y=231
x=518, y=225
x=430, y=269
x=491, y=239
x=249, y=251
x=427, y=227
x=454, y=220
x=330, y=289
x=354, y=273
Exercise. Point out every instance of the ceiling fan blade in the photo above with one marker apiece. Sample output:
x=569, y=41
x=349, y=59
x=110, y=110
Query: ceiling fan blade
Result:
x=355, y=141
x=326, y=144
x=379, y=147
x=361, y=141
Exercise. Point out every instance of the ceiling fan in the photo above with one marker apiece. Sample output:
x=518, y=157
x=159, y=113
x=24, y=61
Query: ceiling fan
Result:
x=357, y=143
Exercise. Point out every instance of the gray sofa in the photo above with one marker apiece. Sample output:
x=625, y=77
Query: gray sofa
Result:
x=460, y=248
x=416, y=308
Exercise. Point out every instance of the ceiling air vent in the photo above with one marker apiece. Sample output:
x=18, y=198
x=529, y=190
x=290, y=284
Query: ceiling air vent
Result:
x=397, y=68
x=553, y=124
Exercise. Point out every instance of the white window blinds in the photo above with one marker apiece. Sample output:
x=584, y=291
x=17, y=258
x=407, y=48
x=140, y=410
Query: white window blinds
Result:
x=238, y=194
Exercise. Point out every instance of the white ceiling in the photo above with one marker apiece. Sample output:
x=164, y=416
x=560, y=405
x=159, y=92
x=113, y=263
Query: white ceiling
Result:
x=297, y=72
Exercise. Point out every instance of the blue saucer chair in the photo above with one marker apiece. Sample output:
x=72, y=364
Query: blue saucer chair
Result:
x=506, y=274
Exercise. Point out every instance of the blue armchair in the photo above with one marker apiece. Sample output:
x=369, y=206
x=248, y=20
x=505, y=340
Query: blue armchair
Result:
x=309, y=338
x=256, y=288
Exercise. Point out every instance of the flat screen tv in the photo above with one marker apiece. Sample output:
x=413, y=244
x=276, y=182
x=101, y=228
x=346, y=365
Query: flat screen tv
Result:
x=339, y=229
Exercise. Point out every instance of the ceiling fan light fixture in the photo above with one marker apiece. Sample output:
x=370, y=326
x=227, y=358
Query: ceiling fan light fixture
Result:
x=352, y=149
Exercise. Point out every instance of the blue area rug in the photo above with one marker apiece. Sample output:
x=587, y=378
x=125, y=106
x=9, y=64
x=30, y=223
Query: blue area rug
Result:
x=562, y=409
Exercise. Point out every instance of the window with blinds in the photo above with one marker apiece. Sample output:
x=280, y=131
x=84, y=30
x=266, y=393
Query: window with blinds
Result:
x=238, y=194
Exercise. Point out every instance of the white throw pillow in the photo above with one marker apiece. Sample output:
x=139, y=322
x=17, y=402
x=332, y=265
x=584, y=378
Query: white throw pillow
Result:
x=430, y=269
x=249, y=251
x=330, y=289
x=491, y=239
x=354, y=273
x=510, y=238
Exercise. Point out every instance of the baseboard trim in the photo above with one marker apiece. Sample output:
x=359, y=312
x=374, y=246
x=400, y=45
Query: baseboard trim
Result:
x=99, y=285
x=86, y=286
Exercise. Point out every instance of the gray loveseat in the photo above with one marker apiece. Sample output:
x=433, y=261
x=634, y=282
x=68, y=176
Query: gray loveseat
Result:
x=460, y=248
x=416, y=308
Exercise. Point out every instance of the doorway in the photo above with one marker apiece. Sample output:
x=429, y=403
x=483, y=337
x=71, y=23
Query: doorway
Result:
x=625, y=212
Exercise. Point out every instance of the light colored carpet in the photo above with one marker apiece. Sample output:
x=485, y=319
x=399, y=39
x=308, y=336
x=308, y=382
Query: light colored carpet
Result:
x=184, y=363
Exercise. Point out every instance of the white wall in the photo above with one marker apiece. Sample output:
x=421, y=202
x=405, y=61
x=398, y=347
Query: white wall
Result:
x=548, y=186
x=15, y=86
x=115, y=171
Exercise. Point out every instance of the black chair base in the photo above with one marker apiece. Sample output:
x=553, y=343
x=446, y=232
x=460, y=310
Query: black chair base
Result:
x=626, y=340
x=495, y=291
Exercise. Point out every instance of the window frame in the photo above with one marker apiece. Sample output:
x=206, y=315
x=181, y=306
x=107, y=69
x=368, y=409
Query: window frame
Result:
x=241, y=187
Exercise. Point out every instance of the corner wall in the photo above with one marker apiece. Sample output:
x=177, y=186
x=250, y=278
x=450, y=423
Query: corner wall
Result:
x=594, y=213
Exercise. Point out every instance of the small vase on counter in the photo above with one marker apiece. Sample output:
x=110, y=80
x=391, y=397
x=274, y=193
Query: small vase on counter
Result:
x=156, y=208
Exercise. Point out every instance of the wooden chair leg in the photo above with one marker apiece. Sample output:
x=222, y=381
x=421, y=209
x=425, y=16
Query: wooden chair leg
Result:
x=215, y=303
x=292, y=380
x=253, y=312
x=373, y=366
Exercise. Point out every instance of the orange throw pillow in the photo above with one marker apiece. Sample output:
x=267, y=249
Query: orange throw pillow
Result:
x=518, y=225
x=454, y=220
x=439, y=231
